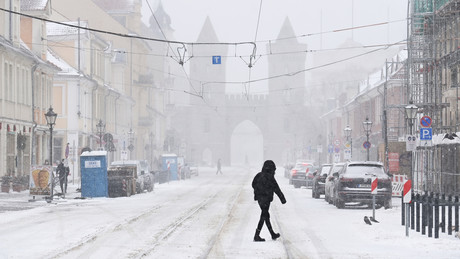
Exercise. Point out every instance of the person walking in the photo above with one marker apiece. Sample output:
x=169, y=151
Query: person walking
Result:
x=219, y=167
x=62, y=172
x=264, y=185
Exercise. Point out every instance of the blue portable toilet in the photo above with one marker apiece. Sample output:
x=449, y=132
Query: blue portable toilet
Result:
x=94, y=181
x=169, y=163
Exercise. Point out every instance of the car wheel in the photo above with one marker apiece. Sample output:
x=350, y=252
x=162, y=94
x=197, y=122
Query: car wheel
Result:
x=317, y=195
x=296, y=185
x=339, y=203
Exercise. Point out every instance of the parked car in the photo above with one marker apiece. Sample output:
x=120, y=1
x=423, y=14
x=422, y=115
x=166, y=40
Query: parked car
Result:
x=329, y=186
x=319, y=181
x=354, y=184
x=193, y=169
x=310, y=175
x=287, y=170
x=298, y=175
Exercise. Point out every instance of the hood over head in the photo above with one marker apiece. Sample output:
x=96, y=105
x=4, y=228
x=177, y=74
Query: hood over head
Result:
x=269, y=166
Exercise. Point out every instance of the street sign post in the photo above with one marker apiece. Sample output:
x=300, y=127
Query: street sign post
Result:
x=425, y=121
x=426, y=134
x=367, y=144
x=411, y=142
x=330, y=149
x=337, y=142
x=347, y=154
x=374, y=184
x=407, y=198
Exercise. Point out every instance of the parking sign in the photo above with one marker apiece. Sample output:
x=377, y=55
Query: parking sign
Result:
x=426, y=134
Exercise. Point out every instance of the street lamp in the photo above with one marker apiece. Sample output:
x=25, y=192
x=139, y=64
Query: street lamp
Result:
x=411, y=113
x=131, y=140
x=100, y=131
x=347, y=132
x=367, y=125
x=51, y=121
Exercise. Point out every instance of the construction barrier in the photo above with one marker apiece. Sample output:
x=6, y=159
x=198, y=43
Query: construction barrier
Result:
x=398, y=184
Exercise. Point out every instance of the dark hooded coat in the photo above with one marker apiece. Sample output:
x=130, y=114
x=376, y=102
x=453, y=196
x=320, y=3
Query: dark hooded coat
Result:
x=264, y=184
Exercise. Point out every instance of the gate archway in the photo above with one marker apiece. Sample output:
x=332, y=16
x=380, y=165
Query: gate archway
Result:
x=246, y=144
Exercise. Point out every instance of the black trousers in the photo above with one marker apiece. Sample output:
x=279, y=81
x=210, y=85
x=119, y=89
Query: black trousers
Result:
x=63, y=183
x=265, y=216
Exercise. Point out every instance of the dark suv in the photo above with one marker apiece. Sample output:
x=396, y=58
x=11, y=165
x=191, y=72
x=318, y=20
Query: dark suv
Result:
x=354, y=184
x=319, y=180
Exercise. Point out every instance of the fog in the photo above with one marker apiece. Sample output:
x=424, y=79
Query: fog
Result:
x=341, y=43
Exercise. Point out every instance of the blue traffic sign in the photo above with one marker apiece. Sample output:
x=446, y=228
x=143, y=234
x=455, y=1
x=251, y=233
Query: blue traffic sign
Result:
x=426, y=134
x=425, y=121
x=367, y=144
x=330, y=149
x=216, y=60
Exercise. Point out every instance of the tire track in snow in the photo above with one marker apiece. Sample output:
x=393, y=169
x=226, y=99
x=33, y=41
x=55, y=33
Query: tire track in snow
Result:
x=101, y=231
x=173, y=227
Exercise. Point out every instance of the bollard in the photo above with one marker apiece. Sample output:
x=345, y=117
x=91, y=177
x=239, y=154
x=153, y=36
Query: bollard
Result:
x=456, y=213
x=412, y=212
x=449, y=215
x=429, y=207
x=424, y=213
x=403, y=211
x=417, y=211
x=436, y=216
x=443, y=213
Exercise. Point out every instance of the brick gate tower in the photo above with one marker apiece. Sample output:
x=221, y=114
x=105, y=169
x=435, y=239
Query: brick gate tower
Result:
x=280, y=114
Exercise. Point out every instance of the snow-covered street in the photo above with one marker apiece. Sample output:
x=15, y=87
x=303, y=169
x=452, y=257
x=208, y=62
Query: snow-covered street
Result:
x=210, y=216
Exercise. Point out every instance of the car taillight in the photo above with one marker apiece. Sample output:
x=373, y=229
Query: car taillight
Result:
x=294, y=172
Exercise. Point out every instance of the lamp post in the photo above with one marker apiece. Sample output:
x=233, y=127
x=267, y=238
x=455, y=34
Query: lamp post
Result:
x=51, y=120
x=347, y=132
x=367, y=125
x=130, y=138
x=411, y=113
x=100, y=131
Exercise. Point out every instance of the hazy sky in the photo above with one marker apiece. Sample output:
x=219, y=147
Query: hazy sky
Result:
x=237, y=20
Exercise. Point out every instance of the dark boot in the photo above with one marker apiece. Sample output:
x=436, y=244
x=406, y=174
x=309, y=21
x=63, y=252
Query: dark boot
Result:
x=257, y=238
x=269, y=226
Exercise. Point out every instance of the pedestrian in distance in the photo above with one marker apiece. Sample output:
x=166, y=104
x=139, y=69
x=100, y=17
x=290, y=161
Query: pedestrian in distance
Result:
x=264, y=185
x=219, y=167
x=62, y=172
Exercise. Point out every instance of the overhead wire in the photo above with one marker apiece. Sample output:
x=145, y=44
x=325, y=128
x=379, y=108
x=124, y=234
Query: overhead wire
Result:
x=248, y=88
x=169, y=46
x=253, y=43
x=332, y=31
x=307, y=69
x=183, y=43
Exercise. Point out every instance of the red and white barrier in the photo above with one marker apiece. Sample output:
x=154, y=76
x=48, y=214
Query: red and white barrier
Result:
x=397, y=184
x=407, y=193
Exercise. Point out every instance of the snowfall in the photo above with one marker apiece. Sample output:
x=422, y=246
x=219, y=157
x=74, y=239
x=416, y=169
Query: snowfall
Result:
x=207, y=216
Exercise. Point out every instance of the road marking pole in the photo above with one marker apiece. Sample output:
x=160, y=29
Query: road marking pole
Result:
x=374, y=192
x=407, y=197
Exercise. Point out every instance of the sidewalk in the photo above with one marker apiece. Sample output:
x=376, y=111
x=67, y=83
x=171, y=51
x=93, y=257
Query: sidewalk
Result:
x=14, y=201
